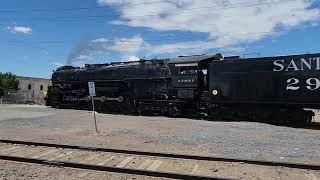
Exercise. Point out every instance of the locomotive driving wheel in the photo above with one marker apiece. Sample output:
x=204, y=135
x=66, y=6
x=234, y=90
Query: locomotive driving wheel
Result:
x=127, y=106
x=173, y=111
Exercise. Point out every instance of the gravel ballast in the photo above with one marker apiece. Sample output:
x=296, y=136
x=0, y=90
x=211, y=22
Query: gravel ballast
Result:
x=248, y=140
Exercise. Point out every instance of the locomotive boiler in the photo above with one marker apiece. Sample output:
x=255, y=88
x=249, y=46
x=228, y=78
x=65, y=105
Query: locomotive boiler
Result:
x=269, y=89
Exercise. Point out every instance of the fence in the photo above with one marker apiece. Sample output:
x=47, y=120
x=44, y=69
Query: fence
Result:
x=25, y=97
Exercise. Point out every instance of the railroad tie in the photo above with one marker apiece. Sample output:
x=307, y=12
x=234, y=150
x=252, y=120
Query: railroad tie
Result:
x=106, y=161
x=28, y=153
x=125, y=162
x=154, y=166
x=45, y=153
x=90, y=158
x=61, y=155
x=195, y=168
x=85, y=174
x=10, y=149
x=13, y=177
x=311, y=176
x=16, y=151
x=146, y=164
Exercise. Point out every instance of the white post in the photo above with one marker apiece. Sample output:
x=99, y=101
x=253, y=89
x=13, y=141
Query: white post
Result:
x=94, y=115
x=92, y=93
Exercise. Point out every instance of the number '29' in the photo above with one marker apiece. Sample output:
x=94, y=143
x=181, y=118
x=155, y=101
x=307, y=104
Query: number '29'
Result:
x=294, y=84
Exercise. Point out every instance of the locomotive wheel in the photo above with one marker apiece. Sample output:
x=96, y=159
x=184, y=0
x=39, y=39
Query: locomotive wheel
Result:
x=173, y=111
x=163, y=110
x=127, y=107
x=139, y=109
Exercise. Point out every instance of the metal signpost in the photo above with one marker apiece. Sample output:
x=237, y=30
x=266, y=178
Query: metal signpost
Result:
x=92, y=93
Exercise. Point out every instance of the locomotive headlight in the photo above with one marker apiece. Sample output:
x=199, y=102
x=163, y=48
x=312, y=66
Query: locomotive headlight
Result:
x=215, y=92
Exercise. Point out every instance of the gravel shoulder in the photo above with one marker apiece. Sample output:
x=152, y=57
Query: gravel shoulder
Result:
x=228, y=139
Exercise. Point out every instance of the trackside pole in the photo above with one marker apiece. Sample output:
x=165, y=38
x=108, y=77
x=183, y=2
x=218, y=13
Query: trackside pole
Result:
x=94, y=115
x=92, y=93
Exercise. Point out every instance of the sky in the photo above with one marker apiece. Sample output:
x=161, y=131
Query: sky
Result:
x=38, y=36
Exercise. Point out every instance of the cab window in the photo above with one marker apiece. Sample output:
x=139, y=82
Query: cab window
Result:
x=188, y=70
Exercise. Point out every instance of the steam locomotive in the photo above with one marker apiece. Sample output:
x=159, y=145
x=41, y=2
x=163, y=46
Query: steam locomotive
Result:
x=268, y=89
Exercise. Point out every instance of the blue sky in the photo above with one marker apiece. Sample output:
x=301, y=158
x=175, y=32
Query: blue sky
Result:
x=38, y=36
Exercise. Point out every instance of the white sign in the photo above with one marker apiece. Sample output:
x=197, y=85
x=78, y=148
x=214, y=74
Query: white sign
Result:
x=92, y=89
x=92, y=92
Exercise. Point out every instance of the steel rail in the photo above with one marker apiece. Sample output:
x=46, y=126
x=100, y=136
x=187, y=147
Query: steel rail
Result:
x=111, y=169
x=168, y=155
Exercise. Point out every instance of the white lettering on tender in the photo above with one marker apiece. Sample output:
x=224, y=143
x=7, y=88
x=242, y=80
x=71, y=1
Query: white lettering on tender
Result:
x=297, y=65
x=279, y=64
x=318, y=62
x=293, y=66
x=305, y=63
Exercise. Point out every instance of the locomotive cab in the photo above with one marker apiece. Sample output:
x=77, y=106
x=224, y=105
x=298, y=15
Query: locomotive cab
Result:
x=189, y=74
x=203, y=71
x=184, y=75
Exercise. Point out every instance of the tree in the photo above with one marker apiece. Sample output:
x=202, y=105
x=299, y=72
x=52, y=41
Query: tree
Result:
x=8, y=82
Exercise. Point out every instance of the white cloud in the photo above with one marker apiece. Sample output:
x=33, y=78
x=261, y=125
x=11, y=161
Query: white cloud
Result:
x=133, y=44
x=130, y=46
x=20, y=29
x=222, y=20
x=100, y=40
x=87, y=50
x=58, y=64
x=82, y=59
x=133, y=58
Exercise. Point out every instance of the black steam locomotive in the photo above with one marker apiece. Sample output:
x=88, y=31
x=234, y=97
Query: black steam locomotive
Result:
x=269, y=89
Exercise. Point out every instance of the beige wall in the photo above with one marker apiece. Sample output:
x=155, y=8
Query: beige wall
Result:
x=35, y=83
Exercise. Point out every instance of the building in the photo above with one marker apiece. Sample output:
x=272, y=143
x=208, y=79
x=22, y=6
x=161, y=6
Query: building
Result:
x=38, y=86
x=31, y=90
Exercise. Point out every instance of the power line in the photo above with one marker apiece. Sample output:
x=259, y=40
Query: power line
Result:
x=103, y=17
x=155, y=40
x=99, y=7
x=78, y=8
x=36, y=42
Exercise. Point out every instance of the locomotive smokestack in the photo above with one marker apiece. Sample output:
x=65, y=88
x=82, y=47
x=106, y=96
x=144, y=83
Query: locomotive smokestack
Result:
x=219, y=56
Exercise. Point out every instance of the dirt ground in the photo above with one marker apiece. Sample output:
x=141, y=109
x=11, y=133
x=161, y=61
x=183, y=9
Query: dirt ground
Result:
x=228, y=139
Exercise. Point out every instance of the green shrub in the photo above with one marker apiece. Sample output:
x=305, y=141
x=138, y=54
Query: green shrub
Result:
x=8, y=82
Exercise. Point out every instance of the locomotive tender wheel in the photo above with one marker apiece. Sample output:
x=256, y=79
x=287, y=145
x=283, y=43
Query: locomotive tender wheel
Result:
x=276, y=116
x=127, y=106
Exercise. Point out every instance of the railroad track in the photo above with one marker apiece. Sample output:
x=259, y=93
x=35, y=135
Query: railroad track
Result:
x=176, y=166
